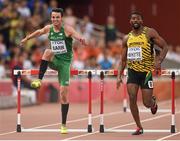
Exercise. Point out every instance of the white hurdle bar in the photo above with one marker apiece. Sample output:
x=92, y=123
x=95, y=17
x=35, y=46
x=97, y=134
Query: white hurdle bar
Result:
x=169, y=72
x=18, y=73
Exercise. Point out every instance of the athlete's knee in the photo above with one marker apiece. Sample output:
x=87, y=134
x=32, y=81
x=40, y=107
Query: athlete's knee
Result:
x=64, y=94
x=132, y=97
x=47, y=54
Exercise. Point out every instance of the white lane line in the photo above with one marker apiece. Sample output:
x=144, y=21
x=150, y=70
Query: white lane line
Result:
x=174, y=134
x=132, y=123
x=7, y=133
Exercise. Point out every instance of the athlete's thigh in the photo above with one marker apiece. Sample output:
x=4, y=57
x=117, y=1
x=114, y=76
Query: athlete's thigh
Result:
x=54, y=64
x=133, y=77
x=64, y=73
x=146, y=80
x=146, y=86
x=132, y=84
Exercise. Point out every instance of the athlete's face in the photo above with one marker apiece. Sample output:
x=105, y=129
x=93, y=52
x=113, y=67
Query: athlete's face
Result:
x=56, y=18
x=136, y=21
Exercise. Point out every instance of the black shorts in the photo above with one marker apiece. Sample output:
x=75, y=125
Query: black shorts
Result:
x=143, y=79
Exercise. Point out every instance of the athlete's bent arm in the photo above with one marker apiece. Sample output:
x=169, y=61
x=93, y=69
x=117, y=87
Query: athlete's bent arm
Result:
x=74, y=34
x=122, y=63
x=36, y=33
x=158, y=40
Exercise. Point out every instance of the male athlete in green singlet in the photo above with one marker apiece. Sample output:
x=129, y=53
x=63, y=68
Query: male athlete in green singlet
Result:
x=138, y=51
x=59, y=56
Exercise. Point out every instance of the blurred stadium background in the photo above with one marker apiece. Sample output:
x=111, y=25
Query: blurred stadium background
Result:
x=102, y=22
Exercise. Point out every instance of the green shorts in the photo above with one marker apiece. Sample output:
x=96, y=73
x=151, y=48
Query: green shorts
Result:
x=63, y=68
x=143, y=79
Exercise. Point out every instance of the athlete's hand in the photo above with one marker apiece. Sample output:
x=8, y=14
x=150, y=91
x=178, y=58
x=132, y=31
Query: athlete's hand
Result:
x=119, y=81
x=23, y=41
x=83, y=42
x=158, y=66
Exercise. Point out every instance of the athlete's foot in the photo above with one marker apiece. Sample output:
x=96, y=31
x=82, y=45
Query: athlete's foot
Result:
x=155, y=107
x=64, y=129
x=138, y=131
x=36, y=83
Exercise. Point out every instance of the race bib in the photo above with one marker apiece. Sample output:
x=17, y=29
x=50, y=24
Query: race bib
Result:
x=58, y=47
x=134, y=54
x=150, y=84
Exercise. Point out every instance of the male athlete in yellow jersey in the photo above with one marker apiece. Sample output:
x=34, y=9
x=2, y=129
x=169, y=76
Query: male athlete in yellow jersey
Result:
x=138, y=53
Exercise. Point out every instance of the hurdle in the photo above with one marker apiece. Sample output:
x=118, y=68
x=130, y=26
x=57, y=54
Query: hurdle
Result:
x=102, y=74
x=19, y=73
x=170, y=72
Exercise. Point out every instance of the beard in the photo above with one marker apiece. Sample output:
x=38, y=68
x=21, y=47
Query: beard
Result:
x=136, y=25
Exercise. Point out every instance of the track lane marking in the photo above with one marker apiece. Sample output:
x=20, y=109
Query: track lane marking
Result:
x=174, y=134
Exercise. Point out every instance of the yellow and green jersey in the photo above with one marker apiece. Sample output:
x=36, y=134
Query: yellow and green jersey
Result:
x=140, y=55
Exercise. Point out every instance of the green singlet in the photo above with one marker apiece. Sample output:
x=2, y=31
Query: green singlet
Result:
x=61, y=46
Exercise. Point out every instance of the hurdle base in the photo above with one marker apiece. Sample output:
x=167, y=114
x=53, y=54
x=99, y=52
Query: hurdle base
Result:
x=89, y=128
x=131, y=131
x=18, y=128
x=173, y=130
x=148, y=110
x=53, y=130
x=124, y=109
x=101, y=129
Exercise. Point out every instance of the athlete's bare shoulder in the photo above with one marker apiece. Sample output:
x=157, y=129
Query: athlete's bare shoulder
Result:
x=151, y=32
x=154, y=35
x=69, y=30
x=125, y=38
x=47, y=28
x=68, y=27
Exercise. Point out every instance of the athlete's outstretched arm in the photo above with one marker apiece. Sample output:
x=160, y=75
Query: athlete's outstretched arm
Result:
x=74, y=34
x=36, y=33
x=122, y=63
x=158, y=40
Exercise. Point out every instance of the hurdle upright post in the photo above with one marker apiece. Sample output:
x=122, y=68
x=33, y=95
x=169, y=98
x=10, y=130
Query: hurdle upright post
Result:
x=101, y=128
x=18, y=128
x=173, y=102
x=90, y=102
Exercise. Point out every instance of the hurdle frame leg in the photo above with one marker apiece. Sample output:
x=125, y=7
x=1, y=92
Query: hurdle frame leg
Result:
x=173, y=130
x=101, y=128
x=18, y=128
x=89, y=128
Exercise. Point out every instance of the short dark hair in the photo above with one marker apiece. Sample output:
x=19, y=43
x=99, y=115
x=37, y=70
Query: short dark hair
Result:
x=59, y=10
x=136, y=13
